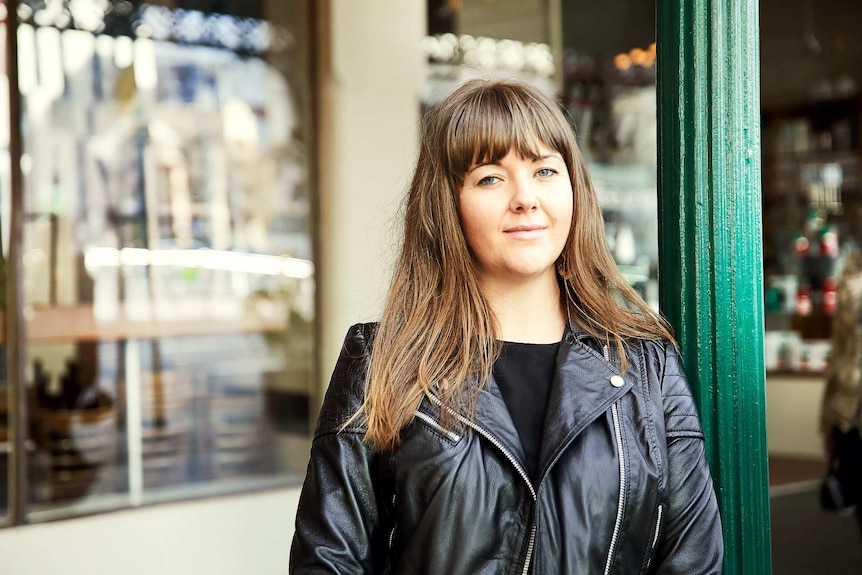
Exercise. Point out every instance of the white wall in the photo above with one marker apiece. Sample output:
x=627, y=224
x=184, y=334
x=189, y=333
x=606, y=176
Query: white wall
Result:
x=793, y=416
x=370, y=86
x=370, y=113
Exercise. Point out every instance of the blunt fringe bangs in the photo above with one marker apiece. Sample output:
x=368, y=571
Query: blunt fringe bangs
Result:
x=494, y=119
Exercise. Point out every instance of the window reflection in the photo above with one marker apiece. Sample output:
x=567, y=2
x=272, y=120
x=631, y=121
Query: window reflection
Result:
x=168, y=275
x=611, y=98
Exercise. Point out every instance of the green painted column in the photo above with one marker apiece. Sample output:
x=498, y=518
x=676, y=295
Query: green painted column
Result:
x=710, y=248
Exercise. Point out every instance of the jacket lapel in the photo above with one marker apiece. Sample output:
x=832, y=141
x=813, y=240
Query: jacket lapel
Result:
x=492, y=421
x=493, y=416
x=581, y=392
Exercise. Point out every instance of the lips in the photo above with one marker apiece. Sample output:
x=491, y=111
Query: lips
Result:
x=526, y=232
x=524, y=229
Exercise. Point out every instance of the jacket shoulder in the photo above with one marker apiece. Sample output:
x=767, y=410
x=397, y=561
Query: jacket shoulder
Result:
x=346, y=391
x=668, y=380
x=681, y=414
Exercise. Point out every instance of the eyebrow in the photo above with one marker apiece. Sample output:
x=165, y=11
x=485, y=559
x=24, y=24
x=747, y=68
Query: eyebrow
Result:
x=552, y=155
x=497, y=163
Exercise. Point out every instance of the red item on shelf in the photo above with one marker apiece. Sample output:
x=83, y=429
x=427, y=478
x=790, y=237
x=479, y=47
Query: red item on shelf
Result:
x=829, y=243
x=830, y=296
x=803, y=301
x=801, y=246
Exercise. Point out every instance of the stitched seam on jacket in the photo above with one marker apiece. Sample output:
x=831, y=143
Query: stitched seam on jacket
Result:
x=653, y=436
x=685, y=433
x=348, y=431
x=661, y=452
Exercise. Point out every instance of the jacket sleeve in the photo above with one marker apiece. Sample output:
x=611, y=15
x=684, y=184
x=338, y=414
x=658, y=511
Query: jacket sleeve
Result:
x=338, y=520
x=693, y=543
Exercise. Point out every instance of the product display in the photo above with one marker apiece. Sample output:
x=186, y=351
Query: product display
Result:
x=612, y=102
x=168, y=282
x=812, y=195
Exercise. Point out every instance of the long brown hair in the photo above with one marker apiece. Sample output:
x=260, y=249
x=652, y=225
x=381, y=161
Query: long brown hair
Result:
x=437, y=333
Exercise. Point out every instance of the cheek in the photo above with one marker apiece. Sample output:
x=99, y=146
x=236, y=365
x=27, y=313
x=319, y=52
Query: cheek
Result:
x=472, y=223
x=565, y=214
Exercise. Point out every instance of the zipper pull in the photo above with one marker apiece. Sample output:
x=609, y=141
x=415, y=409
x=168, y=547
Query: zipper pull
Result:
x=607, y=353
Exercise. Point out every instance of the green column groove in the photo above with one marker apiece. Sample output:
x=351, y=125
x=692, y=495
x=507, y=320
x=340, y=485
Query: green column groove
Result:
x=710, y=248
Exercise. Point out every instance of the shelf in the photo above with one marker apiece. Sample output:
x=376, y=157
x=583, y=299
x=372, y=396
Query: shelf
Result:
x=169, y=319
x=792, y=158
x=778, y=374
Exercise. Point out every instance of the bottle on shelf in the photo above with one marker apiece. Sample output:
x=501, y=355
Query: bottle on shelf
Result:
x=803, y=300
x=830, y=296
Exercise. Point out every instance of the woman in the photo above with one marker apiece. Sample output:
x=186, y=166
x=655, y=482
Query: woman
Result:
x=518, y=409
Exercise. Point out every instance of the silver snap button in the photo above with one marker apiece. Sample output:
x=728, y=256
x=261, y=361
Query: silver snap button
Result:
x=617, y=381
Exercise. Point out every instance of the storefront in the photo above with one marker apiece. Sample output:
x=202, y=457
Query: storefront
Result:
x=667, y=103
x=164, y=322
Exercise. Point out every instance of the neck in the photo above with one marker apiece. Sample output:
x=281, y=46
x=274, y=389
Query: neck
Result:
x=527, y=312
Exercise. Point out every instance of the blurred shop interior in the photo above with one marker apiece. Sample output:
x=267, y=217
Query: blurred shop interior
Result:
x=175, y=214
x=811, y=69
x=166, y=245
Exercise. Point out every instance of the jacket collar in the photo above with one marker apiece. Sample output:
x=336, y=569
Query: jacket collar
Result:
x=580, y=393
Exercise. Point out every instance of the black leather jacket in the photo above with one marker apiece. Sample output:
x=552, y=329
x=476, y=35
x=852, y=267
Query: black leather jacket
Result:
x=624, y=486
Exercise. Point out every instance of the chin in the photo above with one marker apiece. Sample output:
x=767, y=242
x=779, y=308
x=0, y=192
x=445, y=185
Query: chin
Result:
x=532, y=271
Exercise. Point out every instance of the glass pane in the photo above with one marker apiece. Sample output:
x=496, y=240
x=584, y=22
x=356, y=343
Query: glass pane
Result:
x=609, y=90
x=168, y=279
x=811, y=122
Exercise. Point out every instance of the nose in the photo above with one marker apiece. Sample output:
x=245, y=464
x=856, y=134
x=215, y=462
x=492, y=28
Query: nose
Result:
x=524, y=198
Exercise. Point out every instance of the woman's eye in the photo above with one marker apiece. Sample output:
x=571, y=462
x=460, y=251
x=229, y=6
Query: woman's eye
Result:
x=546, y=172
x=488, y=180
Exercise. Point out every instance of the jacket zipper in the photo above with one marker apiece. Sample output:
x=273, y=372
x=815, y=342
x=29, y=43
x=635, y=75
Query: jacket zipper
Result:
x=655, y=535
x=496, y=443
x=391, y=540
x=530, y=546
x=622, y=499
x=657, y=526
x=395, y=525
x=433, y=423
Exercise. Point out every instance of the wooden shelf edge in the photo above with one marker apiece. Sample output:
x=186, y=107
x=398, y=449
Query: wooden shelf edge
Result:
x=81, y=323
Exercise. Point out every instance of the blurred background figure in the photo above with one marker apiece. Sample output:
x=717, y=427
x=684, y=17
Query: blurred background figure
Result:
x=843, y=397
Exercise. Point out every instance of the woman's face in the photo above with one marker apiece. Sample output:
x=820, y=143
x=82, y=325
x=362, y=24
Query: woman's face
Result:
x=516, y=215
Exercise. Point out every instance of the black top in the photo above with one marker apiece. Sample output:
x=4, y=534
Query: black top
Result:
x=524, y=372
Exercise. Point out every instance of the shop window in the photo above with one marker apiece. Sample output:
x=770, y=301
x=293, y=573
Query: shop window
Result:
x=811, y=220
x=609, y=89
x=168, y=267
x=812, y=177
